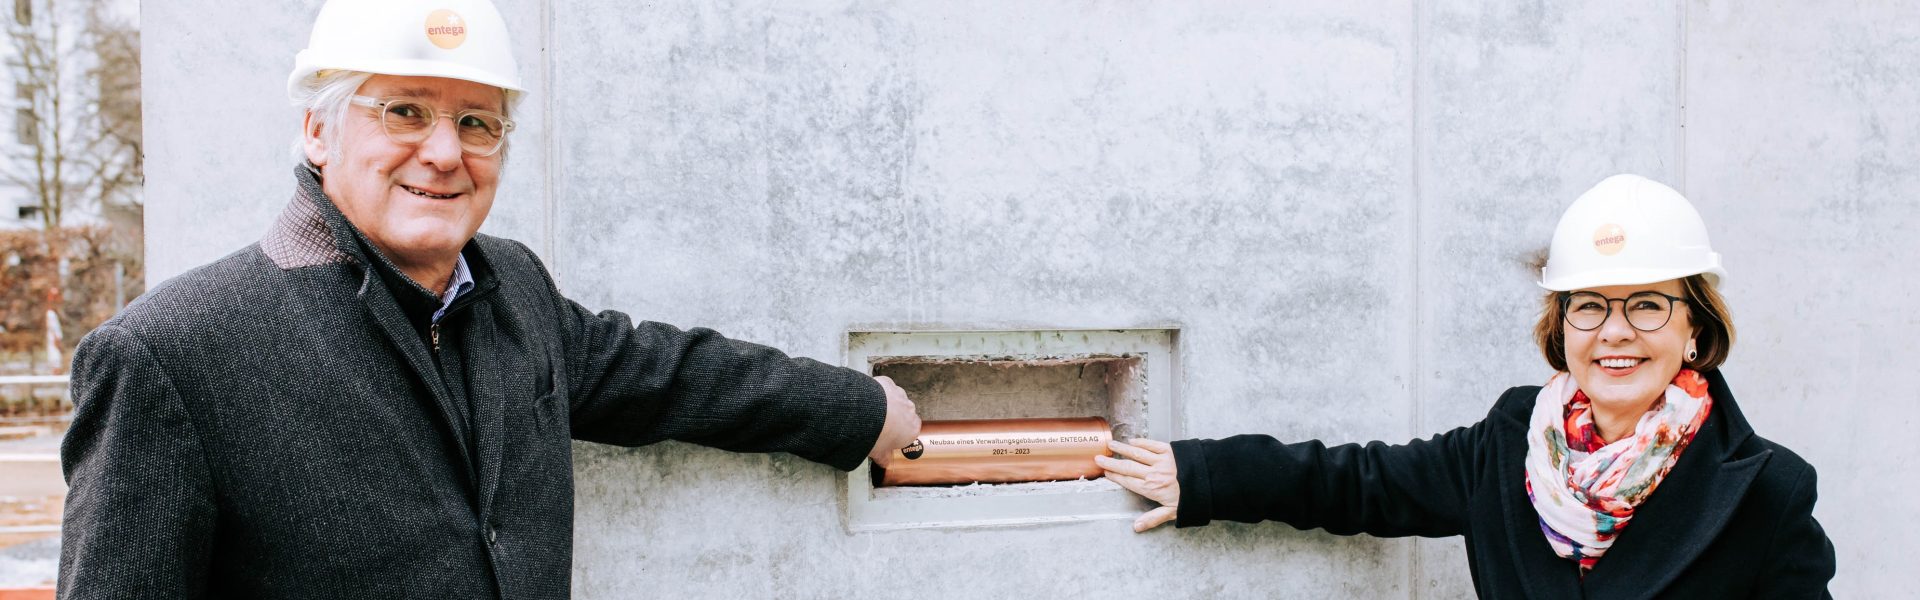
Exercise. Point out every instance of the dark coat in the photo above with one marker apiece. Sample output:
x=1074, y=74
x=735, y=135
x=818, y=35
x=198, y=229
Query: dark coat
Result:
x=274, y=425
x=1733, y=519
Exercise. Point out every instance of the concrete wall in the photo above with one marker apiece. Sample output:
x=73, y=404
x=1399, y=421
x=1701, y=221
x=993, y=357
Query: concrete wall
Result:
x=1332, y=200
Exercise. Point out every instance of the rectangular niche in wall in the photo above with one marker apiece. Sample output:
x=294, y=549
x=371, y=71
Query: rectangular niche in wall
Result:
x=1124, y=376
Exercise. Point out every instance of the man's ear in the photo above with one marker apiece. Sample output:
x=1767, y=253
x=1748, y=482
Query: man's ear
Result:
x=315, y=146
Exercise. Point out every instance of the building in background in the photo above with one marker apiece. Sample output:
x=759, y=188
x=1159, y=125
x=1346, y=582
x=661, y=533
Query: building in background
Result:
x=71, y=216
x=71, y=243
x=72, y=157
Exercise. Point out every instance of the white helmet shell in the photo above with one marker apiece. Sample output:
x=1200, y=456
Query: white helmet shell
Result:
x=1628, y=230
x=456, y=39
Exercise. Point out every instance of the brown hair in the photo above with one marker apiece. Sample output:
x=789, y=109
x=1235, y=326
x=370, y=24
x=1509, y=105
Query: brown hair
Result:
x=1706, y=309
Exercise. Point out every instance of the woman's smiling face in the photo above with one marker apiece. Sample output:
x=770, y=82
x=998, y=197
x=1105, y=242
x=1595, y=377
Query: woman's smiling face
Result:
x=1620, y=367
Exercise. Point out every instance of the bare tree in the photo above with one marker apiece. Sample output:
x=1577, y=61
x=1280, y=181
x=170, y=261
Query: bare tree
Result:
x=78, y=116
x=115, y=161
x=76, y=69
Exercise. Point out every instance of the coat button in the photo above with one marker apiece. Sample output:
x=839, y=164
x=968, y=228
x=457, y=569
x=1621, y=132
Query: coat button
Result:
x=492, y=534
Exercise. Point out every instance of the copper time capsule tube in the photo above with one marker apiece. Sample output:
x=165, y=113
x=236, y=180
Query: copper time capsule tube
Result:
x=1000, y=451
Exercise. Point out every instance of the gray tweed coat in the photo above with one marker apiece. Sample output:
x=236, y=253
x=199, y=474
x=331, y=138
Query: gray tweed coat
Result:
x=282, y=424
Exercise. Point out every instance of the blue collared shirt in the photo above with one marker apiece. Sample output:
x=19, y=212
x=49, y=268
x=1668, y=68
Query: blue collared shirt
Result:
x=460, y=283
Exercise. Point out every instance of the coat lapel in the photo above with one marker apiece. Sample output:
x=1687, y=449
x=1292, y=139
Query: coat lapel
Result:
x=1543, y=573
x=493, y=339
x=489, y=399
x=393, y=322
x=1687, y=511
x=315, y=232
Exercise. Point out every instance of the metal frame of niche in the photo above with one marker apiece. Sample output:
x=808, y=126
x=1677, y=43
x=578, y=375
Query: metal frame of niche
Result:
x=868, y=509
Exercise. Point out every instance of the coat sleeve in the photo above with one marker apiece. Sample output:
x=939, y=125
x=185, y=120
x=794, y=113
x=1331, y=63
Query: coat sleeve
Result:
x=633, y=385
x=140, y=511
x=1800, y=560
x=1418, y=488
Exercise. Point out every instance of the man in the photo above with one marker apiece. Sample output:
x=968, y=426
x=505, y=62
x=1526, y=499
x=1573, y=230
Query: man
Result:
x=374, y=401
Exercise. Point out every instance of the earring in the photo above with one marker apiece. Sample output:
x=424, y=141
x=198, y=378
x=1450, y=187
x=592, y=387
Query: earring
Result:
x=1692, y=353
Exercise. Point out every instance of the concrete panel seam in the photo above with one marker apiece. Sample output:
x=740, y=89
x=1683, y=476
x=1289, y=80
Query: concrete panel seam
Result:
x=1680, y=92
x=1414, y=254
x=548, y=206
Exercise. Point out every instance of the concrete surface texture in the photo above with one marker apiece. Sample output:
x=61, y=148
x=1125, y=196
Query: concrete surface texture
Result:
x=1333, y=201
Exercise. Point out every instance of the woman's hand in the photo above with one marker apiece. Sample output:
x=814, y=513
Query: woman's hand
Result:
x=1150, y=473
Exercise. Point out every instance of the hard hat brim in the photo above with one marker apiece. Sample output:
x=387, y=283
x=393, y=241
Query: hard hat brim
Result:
x=298, y=83
x=1594, y=279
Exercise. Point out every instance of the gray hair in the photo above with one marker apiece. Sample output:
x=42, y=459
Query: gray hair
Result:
x=329, y=95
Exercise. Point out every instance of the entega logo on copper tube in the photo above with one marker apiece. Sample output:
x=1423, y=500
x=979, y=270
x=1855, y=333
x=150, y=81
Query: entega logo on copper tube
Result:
x=1000, y=451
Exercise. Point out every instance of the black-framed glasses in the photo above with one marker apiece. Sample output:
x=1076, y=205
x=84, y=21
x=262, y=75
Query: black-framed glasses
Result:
x=410, y=121
x=1646, y=311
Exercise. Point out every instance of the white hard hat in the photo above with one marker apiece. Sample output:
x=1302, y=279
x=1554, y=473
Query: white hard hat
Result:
x=1628, y=230
x=457, y=39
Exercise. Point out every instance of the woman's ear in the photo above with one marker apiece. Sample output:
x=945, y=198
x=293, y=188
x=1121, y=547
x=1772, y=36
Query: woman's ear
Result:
x=314, y=144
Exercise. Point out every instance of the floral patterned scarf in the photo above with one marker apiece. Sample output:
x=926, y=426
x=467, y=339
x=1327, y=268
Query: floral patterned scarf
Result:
x=1584, y=489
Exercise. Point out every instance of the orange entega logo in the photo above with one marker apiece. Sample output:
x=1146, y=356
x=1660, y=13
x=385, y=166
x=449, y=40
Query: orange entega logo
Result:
x=1609, y=239
x=446, y=29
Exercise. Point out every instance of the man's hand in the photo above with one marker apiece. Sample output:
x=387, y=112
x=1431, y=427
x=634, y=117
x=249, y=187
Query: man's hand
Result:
x=903, y=425
x=1150, y=473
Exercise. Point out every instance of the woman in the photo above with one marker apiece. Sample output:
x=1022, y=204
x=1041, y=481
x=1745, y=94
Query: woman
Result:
x=1630, y=473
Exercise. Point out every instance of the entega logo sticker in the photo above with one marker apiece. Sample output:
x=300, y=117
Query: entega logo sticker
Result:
x=1609, y=239
x=913, y=450
x=446, y=29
